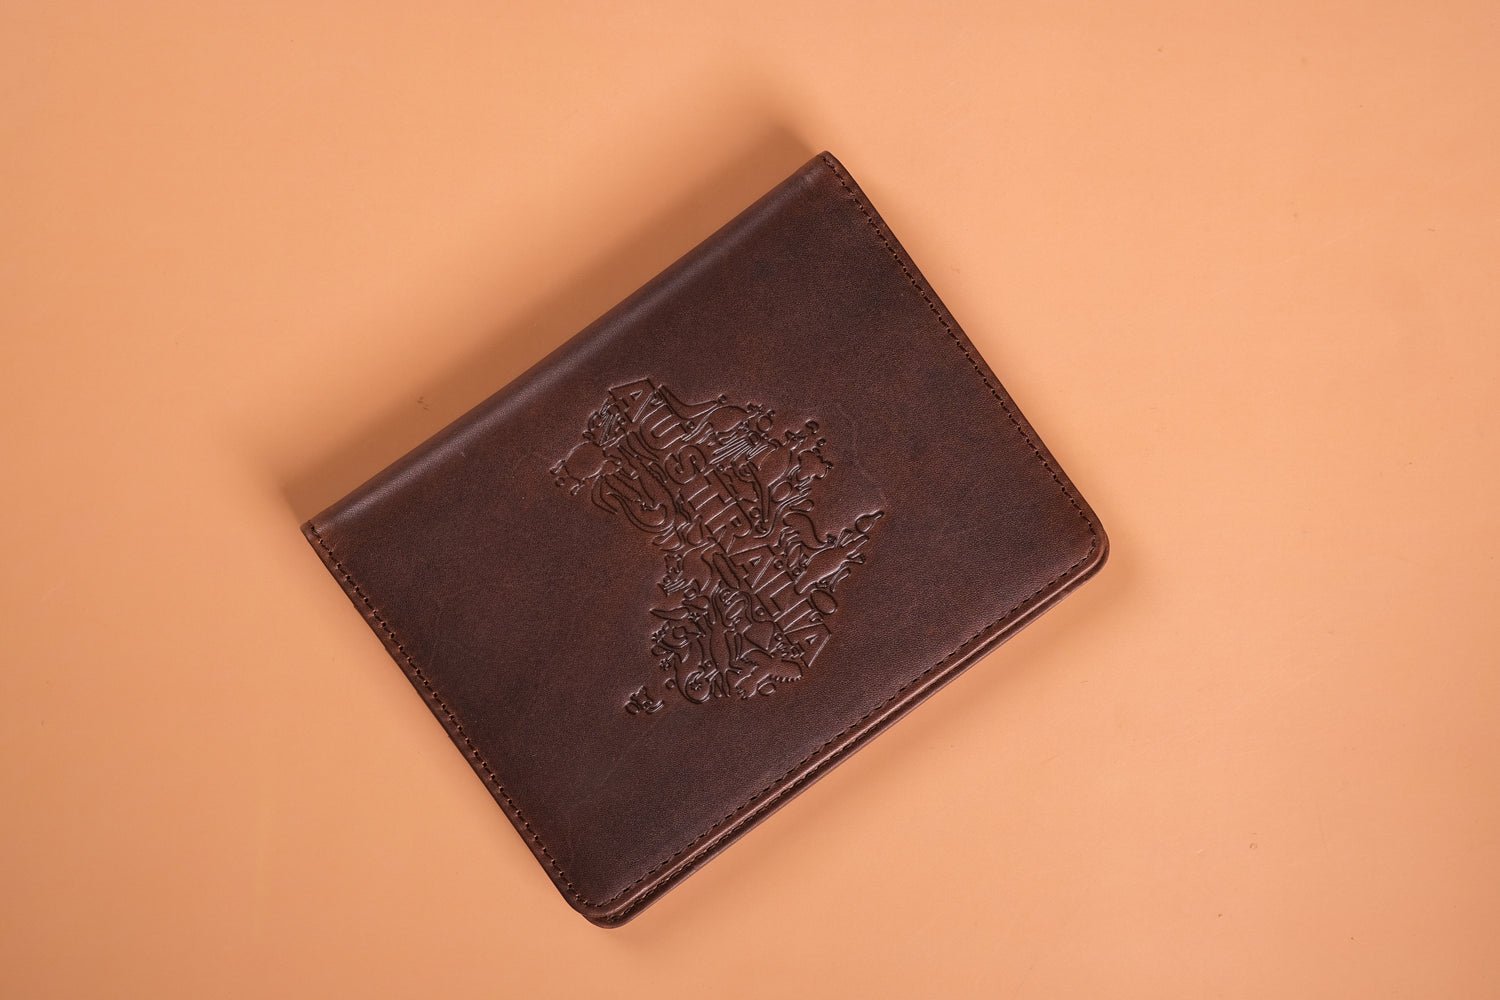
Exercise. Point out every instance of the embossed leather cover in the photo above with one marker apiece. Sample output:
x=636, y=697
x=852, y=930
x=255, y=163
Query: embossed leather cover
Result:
x=699, y=554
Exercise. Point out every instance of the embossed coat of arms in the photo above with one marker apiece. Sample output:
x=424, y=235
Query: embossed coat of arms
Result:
x=749, y=580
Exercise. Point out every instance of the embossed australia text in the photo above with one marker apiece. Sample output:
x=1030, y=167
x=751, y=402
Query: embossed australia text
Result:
x=727, y=499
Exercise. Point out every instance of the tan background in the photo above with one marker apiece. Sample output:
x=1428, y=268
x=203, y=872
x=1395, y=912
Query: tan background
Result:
x=1239, y=268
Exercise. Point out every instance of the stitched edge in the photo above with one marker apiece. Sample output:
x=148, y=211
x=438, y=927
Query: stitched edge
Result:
x=753, y=800
x=354, y=588
x=859, y=203
x=776, y=785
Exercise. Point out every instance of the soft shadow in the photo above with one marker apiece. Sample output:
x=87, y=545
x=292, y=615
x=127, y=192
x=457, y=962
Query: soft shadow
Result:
x=525, y=339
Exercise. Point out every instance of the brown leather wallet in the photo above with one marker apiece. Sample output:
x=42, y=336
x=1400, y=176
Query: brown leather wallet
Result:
x=698, y=555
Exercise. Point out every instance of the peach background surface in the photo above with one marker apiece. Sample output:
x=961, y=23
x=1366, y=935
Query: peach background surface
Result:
x=1239, y=266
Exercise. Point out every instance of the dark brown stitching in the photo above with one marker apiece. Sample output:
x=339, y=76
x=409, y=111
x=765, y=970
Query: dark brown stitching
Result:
x=756, y=798
x=752, y=801
x=829, y=162
x=437, y=699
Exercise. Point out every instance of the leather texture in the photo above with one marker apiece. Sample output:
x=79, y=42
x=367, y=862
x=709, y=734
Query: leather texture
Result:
x=713, y=544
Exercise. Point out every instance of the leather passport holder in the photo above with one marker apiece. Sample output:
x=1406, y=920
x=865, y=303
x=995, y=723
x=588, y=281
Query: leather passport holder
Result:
x=713, y=544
